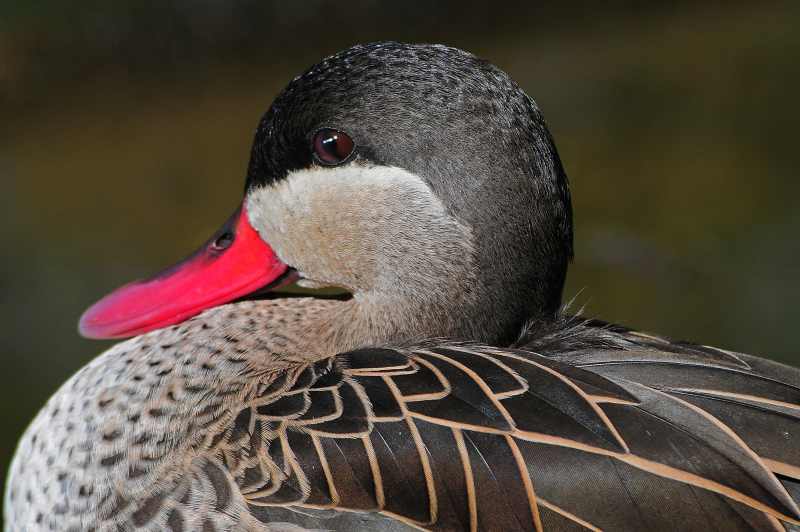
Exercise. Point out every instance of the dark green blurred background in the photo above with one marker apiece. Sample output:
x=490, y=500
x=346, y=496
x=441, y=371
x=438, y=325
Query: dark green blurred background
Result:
x=125, y=131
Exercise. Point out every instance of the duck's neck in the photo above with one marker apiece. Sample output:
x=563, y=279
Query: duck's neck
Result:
x=299, y=326
x=312, y=327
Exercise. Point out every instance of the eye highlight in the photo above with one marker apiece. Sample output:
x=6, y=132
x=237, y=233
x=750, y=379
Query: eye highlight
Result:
x=331, y=146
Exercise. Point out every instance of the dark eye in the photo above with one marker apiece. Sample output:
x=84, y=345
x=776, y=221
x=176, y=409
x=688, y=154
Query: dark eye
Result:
x=332, y=146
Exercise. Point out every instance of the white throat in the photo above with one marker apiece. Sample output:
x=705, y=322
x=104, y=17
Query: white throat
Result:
x=366, y=228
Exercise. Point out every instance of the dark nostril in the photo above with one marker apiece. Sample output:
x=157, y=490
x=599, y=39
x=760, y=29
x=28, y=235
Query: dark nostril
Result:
x=223, y=241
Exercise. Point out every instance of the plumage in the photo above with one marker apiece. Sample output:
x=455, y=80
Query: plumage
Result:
x=393, y=409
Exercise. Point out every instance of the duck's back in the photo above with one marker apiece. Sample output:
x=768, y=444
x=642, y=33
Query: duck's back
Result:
x=587, y=427
x=602, y=429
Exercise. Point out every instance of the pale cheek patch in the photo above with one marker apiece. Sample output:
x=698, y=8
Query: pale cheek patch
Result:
x=361, y=227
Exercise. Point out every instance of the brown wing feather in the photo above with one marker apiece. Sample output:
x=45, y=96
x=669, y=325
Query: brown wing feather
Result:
x=655, y=436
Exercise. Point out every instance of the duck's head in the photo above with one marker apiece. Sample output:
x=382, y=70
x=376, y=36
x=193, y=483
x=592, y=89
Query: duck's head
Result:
x=419, y=178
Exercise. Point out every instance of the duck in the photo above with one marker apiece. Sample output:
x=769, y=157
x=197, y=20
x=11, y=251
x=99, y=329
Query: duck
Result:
x=446, y=389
